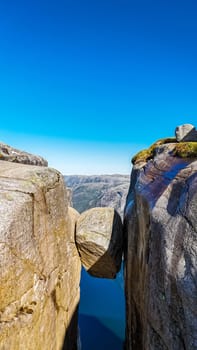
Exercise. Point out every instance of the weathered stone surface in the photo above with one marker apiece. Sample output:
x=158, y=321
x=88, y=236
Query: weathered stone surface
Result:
x=99, y=241
x=73, y=217
x=39, y=262
x=186, y=132
x=16, y=156
x=161, y=254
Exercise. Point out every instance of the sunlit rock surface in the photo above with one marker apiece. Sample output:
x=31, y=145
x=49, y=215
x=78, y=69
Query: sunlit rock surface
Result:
x=99, y=241
x=14, y=155
x=186, y=132
x=161, y=251
x=39, y=263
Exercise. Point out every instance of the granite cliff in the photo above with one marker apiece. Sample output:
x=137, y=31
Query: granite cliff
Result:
x=43, y=243
x=99, y=241
x=161, y=246
x=39, y=263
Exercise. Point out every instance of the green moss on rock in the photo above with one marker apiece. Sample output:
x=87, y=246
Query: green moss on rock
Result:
x=185, y=150
x=149, y=153
x=181, y=149
x=142, y=156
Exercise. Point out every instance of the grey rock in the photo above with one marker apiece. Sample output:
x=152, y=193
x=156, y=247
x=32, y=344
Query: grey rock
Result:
x=186, y=132
x=99, y=241
x=16, y=156
x=161, y=254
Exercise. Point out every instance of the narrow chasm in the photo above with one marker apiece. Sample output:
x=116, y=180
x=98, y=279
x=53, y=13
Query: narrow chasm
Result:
x=100, y=201
x=102, y=312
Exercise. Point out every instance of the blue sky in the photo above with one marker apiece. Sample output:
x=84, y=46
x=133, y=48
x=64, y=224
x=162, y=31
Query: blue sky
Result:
x=88, y=83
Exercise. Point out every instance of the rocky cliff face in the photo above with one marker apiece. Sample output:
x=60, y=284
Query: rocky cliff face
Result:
x=161, y=249
x=98, y=191
x=14, y=155
x=40, y=266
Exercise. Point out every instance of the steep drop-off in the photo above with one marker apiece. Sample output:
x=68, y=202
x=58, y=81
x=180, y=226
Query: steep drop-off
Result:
x=40, y=265
x=161, y=249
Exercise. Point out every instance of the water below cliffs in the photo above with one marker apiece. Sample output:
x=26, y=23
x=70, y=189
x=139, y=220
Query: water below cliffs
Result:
x=102, y=312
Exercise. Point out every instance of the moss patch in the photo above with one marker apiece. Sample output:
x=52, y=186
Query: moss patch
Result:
x=181, y=149
x=149, y=153
x=185, y=150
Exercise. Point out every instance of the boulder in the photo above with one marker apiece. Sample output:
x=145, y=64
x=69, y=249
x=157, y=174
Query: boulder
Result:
x=99, y=241
x=161, y=253
x=16, y=156
x=39, y=262
x=186, y=132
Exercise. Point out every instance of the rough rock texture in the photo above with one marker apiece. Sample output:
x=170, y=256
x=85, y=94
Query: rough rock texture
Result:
x=186, y=132
x=98, y=191
x=40, y=266
x=16, y=156
x=99, y=241
x=161, y=253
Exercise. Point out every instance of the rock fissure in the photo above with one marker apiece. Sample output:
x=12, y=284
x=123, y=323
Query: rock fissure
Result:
x=43, y=243
x=14, y=252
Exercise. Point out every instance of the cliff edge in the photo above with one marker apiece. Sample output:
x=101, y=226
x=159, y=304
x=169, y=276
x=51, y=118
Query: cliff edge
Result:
x=161, y=247
x=40, y=265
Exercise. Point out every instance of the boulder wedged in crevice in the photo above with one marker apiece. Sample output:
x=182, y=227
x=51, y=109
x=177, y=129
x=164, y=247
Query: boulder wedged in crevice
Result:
x=99, y=241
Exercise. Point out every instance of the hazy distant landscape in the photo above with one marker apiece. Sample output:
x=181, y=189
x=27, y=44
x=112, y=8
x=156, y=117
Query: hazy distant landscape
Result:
x=88, y=88
x=98, y=191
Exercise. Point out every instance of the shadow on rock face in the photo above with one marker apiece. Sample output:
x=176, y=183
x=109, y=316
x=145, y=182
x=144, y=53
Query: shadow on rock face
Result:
x=99, y=238
x=70, y=340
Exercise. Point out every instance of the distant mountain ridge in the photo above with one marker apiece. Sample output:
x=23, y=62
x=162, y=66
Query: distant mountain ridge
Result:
x=98, y=191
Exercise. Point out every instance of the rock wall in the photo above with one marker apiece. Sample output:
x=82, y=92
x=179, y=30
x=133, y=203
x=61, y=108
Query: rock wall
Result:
x=161, y=249
x=40, y=266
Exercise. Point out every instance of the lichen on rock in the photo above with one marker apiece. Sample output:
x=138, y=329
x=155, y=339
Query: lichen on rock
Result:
x=185, y=150
x=161, y=249
x=149, y=153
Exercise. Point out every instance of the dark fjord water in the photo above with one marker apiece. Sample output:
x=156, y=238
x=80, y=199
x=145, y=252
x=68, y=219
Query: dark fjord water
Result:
x=102, y=313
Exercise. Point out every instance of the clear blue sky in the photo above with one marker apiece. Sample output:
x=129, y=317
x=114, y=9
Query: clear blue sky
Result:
x=88, y=83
